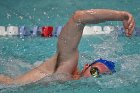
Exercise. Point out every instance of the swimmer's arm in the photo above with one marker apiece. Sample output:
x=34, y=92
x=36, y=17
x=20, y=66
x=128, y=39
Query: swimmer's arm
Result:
x=45, y=69
x=5, y=79
x=29, y=77
x=37, y=73
x=71, y=33
x=95, y=16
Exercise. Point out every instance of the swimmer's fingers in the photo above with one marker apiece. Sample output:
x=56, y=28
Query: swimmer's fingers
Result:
x=125, y=24
x=129, y=24
x=131, y=28
x=130, y=18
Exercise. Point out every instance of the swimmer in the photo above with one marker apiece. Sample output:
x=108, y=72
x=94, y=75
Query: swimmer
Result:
x=66, y=58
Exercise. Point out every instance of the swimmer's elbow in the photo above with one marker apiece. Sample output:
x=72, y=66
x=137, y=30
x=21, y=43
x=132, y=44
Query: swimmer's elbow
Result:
x=78, y=16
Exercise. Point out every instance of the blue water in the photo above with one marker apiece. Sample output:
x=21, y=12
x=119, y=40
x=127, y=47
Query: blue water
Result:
x=19, y=55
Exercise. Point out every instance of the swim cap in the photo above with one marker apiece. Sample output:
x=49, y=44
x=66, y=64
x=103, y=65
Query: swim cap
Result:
x=109, y=64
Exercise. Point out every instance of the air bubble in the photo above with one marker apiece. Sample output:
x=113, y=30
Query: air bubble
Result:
x=44, y=13
x=24, y=50
x=23, y=39
x=57, y=15
x=21, y=17
x=8, y=16
x=34, y=9
x=39, y=19
x=30, y=17
x=53, y=8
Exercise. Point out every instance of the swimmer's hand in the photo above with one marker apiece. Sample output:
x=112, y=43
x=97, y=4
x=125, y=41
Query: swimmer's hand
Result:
x=128, y=23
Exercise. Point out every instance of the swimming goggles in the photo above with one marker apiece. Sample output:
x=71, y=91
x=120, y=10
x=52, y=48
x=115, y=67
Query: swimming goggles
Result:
x=94, y=71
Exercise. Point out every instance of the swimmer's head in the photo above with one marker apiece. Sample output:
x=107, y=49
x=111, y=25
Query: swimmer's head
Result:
x=98, y=67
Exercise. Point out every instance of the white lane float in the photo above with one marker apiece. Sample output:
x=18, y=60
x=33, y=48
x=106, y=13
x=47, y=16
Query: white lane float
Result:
x=92, y=30
x=2, y=31
x=108, y=29
x=12, y=31
x=95, y=30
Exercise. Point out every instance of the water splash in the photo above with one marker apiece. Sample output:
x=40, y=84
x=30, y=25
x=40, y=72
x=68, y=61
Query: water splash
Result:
x=127, y=66
x=128, y=75
x=109, y=47
x=14, y=67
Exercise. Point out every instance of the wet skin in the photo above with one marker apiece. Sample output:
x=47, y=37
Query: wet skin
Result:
x=66, y=58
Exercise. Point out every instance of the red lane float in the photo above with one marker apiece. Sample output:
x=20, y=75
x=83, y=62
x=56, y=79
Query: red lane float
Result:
x=47, y=31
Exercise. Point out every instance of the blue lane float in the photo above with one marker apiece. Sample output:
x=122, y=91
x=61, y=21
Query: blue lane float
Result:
x=23, y=31
x=36, y=31
x=137, y=31
x=121, y=31
x=57, y=31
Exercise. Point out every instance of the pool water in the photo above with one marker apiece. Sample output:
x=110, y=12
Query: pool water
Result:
x=19, y=55
x=28, y=52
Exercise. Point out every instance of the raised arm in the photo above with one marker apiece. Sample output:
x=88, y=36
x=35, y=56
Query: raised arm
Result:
x=101, y=15
x=71, y=33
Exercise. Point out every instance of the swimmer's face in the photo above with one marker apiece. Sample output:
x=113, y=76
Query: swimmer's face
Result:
x=101, y=68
